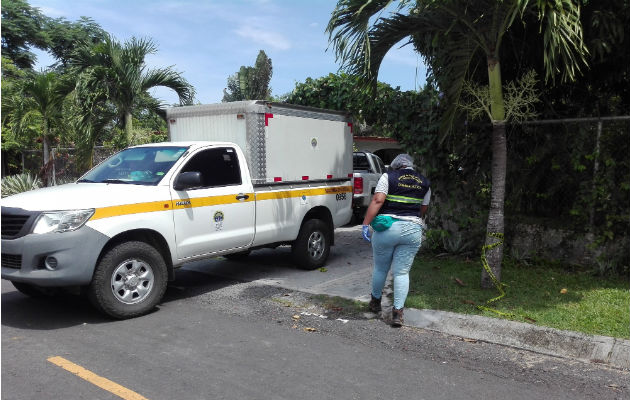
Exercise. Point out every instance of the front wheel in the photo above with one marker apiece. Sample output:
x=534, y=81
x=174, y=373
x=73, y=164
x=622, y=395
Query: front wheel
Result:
x=129, y=281
x=312, y=246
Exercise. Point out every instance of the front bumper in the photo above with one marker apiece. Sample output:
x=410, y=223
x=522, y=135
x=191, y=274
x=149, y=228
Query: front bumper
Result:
x=76, y=253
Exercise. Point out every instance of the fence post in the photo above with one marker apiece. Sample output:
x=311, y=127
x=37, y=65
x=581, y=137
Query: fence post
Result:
x=54, y=172
x=595, y=172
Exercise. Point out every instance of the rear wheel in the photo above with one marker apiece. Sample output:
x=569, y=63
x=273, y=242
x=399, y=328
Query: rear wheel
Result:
x=312, y=246
x=129, y=281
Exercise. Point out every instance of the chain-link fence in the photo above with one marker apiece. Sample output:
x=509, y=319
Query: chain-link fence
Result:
x=64, y=167
x=567, y=188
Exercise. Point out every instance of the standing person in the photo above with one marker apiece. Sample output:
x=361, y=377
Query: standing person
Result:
x=396, y=214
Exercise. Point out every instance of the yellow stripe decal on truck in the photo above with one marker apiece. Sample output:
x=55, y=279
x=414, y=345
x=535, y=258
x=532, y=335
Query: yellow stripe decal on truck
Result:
x=166, y=205
x=115, y=211
x=303, y=192
x=210, y=201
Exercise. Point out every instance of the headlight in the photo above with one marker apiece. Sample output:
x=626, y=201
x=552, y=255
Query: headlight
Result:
x=62, y=221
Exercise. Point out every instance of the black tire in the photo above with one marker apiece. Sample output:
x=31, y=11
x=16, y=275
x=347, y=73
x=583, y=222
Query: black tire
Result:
x=34, y=291
x=129, y=280
x=312, y=246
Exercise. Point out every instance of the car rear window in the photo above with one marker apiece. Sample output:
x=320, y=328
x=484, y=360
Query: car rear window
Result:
x=360, y=162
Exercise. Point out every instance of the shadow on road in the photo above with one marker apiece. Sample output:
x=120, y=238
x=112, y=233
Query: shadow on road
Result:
x=66, y=309
x=47, y=313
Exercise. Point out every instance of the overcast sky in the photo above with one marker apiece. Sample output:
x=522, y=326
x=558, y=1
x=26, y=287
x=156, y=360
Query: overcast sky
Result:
x=209, y=40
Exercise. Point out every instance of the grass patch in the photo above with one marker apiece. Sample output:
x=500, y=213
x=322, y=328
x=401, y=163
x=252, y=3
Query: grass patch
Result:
x=590, y=304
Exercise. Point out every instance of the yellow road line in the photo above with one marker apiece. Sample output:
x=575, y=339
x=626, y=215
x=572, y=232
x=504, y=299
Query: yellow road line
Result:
x=94, y=379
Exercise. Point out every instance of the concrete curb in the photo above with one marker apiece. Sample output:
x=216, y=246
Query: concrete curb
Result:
x=589, y=348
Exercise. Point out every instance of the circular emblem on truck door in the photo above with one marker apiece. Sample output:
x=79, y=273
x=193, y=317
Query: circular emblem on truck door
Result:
x=218, y=220
x=314, y=142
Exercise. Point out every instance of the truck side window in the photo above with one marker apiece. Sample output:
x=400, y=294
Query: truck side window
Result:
x=381, y=166
x=218, y=167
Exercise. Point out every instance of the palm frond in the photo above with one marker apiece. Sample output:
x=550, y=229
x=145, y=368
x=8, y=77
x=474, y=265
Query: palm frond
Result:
x=348, y=30
x=564, y=49
x=171, y=79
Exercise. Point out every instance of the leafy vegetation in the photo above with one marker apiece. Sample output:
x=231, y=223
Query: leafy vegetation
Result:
x=22, y=27
x=387, y=112
x=250, y=83
x=15, y=184
x=93, y=94
x=117, y=71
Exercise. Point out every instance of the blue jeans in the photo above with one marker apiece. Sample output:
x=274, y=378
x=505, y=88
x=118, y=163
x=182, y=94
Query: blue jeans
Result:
x=395, y=248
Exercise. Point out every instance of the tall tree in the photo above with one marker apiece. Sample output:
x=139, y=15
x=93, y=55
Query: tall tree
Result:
x=65, y=36
x=454, y=36
x=22, y=28
x=250, y=83
x=120, y=71
x=15, y=134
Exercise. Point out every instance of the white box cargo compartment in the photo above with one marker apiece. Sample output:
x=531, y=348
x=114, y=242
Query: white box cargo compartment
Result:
x=282, y=142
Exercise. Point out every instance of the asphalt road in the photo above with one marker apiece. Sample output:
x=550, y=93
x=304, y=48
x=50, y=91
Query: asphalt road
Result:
x=221, y=338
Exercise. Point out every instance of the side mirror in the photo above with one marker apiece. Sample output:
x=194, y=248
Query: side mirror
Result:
x=187, y=180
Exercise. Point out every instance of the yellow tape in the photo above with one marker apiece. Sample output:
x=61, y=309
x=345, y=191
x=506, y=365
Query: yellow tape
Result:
x=495, y=281
x=499, y=285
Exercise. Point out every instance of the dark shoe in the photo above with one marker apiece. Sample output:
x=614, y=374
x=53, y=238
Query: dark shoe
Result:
x=375, y=305
x=397, y=317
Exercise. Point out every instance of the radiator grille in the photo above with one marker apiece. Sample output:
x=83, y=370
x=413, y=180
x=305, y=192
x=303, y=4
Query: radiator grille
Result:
x=12, y=224
x=11, y=261
x=17, y=222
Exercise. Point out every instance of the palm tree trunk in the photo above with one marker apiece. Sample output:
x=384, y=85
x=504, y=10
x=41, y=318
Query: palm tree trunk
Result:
x=495, y=227
x=46, y=155
x=128, y=126
x=496, y=215
x=46, y=150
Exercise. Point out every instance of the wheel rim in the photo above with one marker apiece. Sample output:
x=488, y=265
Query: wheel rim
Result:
x=316, y=245
x=132, y=281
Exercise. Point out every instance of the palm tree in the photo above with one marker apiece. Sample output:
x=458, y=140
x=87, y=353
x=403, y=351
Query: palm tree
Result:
x=120, y=70
x=452, y=35
x=42, y=101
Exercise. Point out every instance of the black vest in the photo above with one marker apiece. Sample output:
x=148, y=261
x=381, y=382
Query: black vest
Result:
x=406, y=193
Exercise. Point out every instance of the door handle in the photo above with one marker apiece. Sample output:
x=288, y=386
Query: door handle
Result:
x=242, y=197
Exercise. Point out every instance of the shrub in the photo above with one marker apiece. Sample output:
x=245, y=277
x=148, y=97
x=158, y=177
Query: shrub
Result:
x=15, y=184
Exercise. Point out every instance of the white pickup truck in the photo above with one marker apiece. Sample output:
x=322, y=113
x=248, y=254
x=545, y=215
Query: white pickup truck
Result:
x=122, y=229
x=367, y=170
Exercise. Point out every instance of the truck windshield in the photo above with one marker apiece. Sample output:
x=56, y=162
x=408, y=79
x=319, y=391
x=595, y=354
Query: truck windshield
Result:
x=137, y=165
